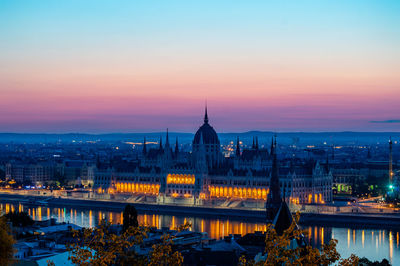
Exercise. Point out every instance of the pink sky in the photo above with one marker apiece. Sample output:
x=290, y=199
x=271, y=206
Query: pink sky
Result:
x=302, y=68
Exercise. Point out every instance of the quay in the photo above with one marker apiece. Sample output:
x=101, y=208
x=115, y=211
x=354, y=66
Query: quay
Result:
x=356, y=220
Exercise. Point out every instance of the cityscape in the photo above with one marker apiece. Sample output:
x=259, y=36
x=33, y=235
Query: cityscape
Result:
x=200, y=133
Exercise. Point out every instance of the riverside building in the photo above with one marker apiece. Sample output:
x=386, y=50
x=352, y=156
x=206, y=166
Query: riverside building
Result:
x=205, y=177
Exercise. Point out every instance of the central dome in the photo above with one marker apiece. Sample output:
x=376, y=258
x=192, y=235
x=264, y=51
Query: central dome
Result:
x=207, y=132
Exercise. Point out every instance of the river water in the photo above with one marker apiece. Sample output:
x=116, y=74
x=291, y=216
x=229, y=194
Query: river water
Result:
x=374, y=244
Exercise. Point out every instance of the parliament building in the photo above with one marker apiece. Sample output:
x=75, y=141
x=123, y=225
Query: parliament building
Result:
x=205, y=177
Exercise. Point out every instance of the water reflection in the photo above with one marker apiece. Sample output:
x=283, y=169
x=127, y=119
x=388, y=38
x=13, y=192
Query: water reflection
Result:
x=381, y=244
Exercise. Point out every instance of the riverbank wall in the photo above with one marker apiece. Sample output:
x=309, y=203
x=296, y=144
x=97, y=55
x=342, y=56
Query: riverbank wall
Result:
x=356, y=220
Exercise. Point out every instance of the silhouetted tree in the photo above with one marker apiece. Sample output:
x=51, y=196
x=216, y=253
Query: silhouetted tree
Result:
x=6, y=242
x=19, y=219
x=130, y=217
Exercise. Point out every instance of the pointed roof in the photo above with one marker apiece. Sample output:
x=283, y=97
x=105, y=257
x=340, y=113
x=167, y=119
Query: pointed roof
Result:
x=274, y=197
x=272, y=146
x=208, y=133
x=283, y=219
x=176, y=146
x=167, y=140
x=206, y=116
x=161, y=146
x=256, y=143
x=144, y=146
x=237, y=147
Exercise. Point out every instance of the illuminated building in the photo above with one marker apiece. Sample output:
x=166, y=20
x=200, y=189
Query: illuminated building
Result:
x=206, y=177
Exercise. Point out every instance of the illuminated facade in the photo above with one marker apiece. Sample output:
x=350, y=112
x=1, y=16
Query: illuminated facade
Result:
x=205, y=175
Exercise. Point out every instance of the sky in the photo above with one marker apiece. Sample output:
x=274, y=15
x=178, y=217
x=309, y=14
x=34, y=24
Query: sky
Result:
x=137, y=66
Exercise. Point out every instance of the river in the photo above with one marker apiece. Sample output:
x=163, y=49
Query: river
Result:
x=375, y=244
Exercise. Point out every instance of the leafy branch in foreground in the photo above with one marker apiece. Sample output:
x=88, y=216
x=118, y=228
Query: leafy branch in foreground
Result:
x=286, y=249
x=98, y=246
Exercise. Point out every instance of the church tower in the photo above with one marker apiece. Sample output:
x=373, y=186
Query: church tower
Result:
x=390, y=160
x=274, y=197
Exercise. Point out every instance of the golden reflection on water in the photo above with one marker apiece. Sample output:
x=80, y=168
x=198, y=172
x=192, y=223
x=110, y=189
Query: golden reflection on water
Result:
x=348, y=238
x=390, y=246
x=218, y=228
x=362, y=238
x=322, y=236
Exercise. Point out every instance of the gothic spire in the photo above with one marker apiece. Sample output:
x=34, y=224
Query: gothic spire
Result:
x=256, y=143
x=272, y=146
x=274, y=197
x=144, y=146
x=206, y=116
x=176, y=147
x=237, y=148
x=167, y=140
x=390, y=160
x=161, y=147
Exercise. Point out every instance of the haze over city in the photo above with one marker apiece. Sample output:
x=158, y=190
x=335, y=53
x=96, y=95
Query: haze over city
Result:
x=127, y=66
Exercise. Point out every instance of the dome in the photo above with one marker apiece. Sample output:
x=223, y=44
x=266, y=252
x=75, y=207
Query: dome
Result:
x=207, y=132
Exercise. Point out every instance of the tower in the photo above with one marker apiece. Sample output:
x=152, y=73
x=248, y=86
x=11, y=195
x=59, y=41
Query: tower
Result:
x=272, y=147
x=176, y=148
x=390, y=160
x=257, y=143
x=167, y=148
x=237, y=148
x=144, y=147
x=274, y=197
x=161, y=147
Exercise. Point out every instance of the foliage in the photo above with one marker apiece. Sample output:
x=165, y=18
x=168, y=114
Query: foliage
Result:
x=366, y=262
x=281, y=250
x=6, y=242
x=130, y=217
x=99, y=246
x=162, y=253
x=19, y=219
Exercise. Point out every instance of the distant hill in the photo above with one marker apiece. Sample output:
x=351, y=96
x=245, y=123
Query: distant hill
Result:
x=263, y=136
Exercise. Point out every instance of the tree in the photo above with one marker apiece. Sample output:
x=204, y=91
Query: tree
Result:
x=19, y=219
x=6, y=242
x=162, y=253
x=279, y=251
x=129, y=217
x=98, y=246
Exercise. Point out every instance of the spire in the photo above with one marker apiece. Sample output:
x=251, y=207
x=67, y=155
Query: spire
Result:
x=274, y=197
x=390, y=159
x=161, y=147
x=206, y=116
x=327, y=162
x=256, y=143
x=237, y=148
x=272, y=146
x=167, y=140
x=176, y=147
x=144, y=146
